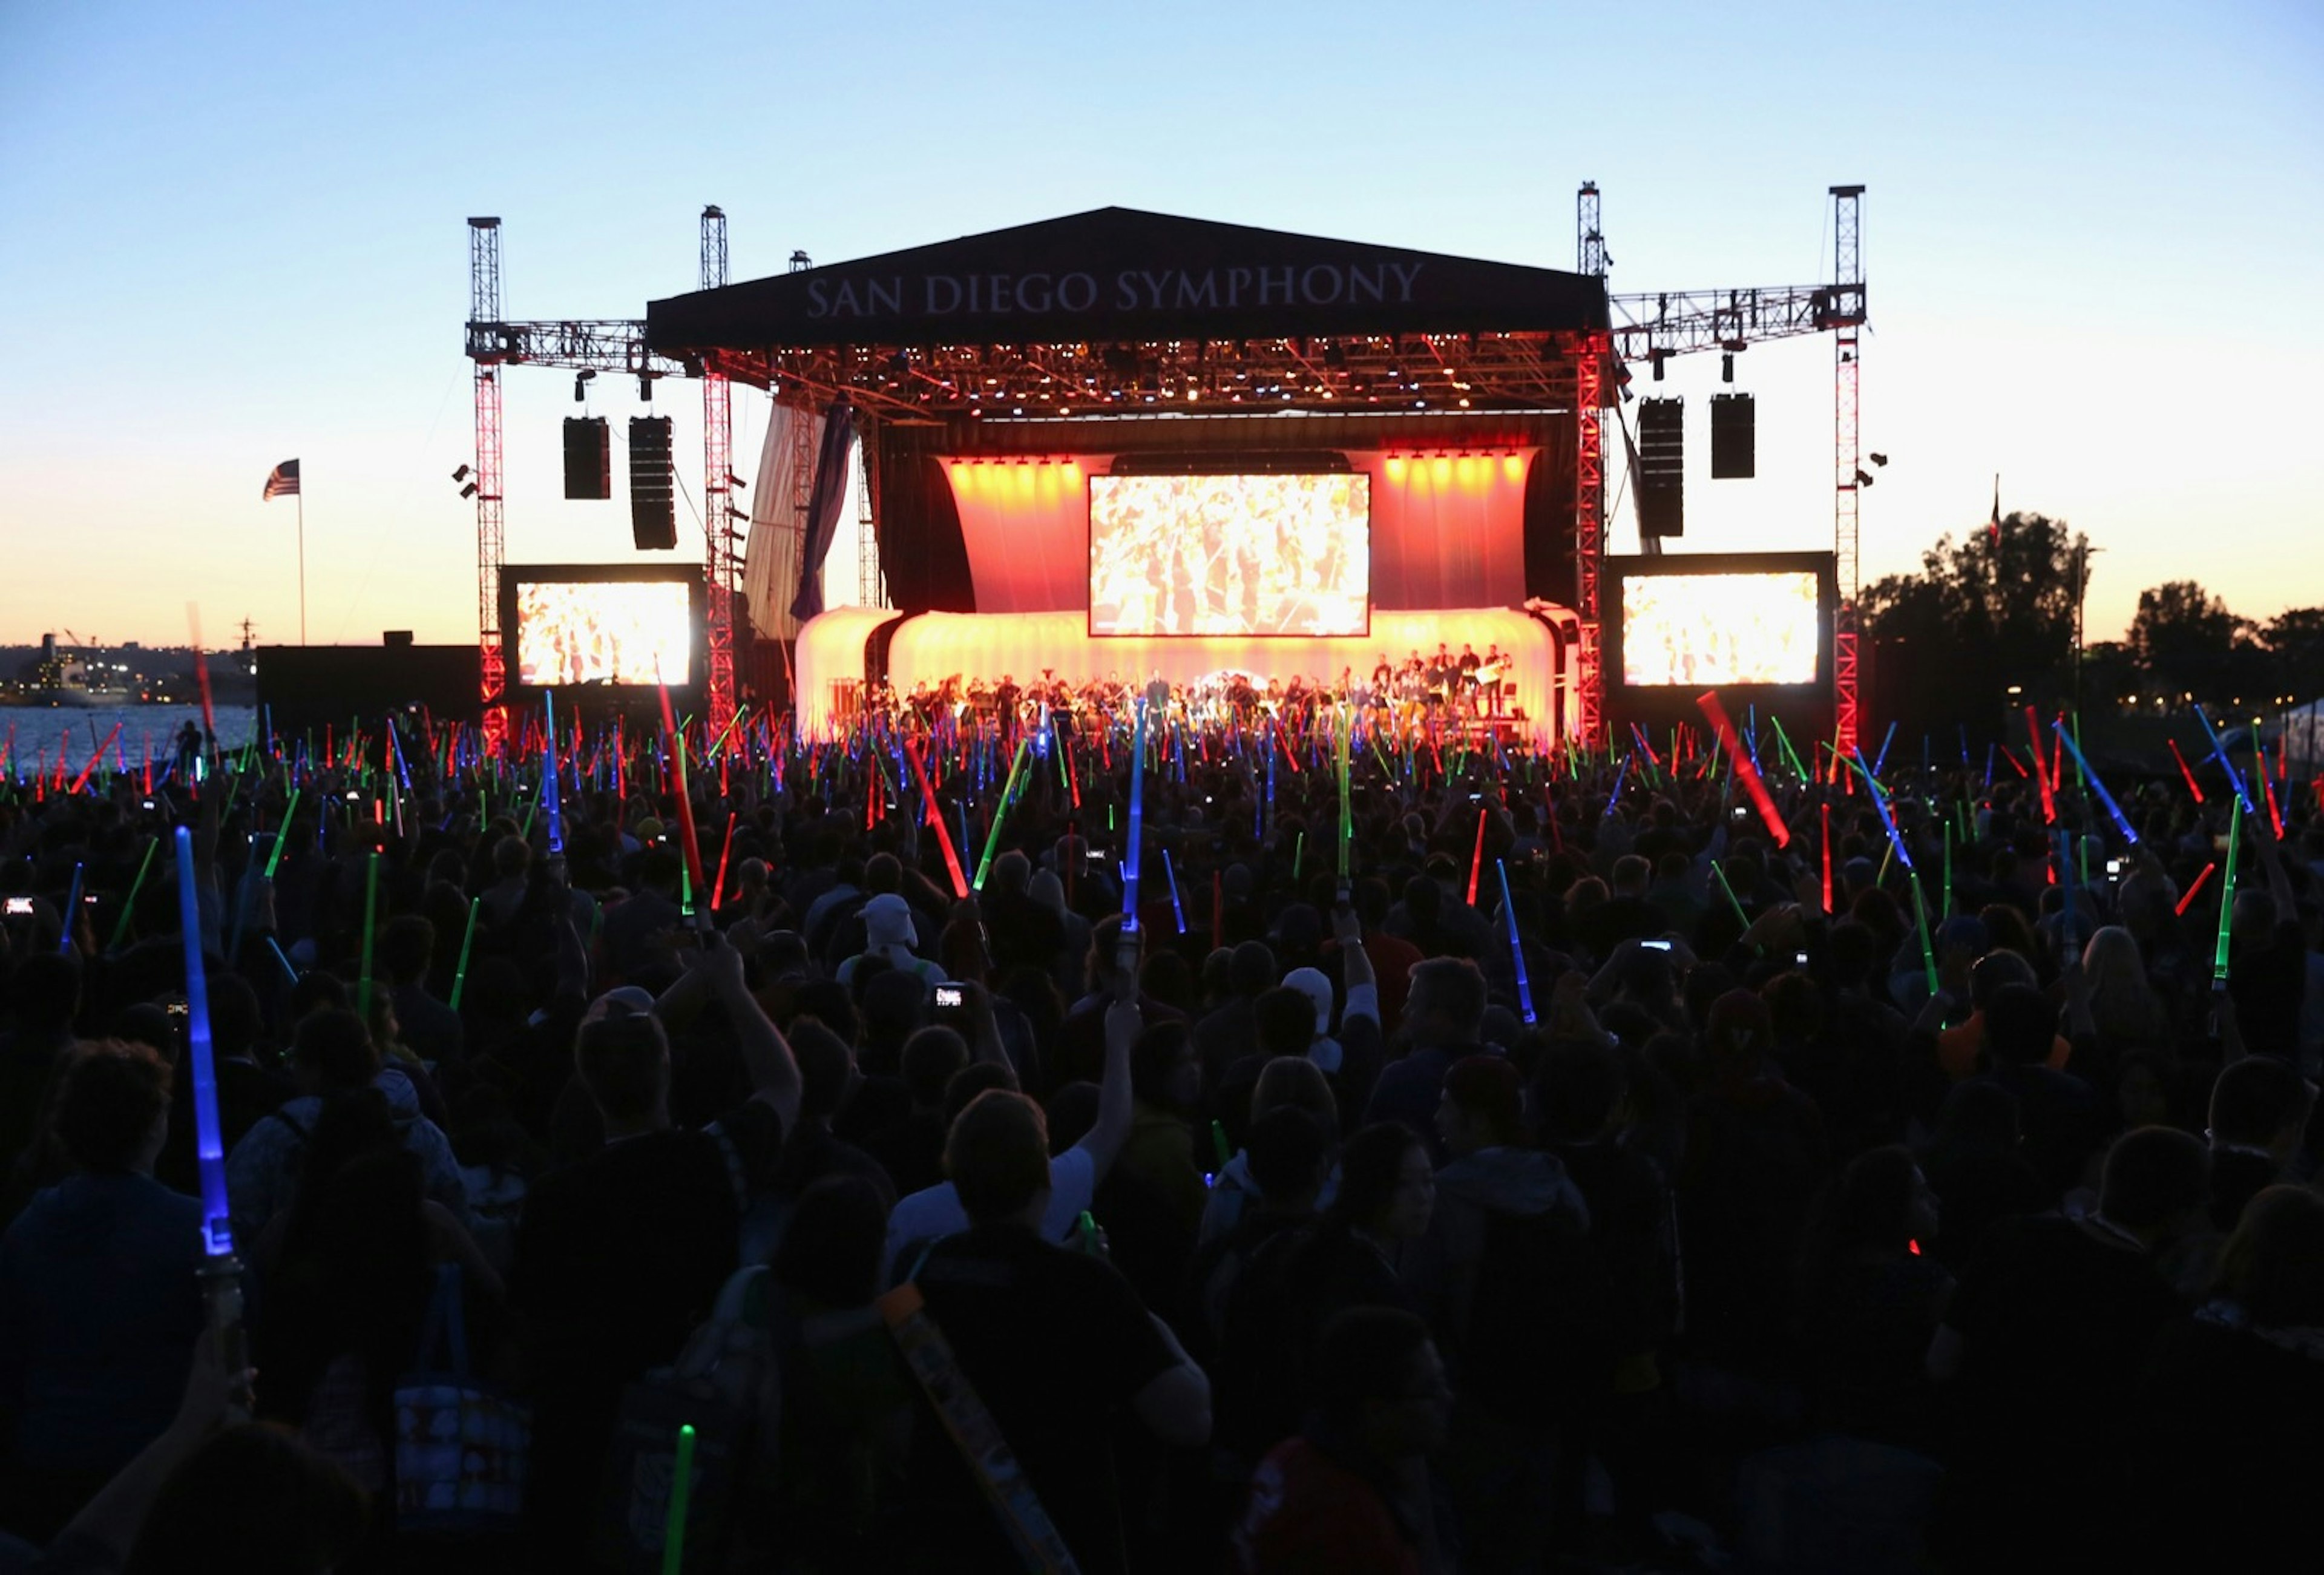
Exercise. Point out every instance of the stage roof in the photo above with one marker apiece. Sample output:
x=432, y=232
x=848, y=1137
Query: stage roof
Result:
x=1121, y=308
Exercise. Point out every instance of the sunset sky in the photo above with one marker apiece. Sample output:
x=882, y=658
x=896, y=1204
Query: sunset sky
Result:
x=231, y=235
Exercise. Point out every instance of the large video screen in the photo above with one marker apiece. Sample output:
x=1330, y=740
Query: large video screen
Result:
x=604, y=632
x=1742, y=628
x=1285, y=554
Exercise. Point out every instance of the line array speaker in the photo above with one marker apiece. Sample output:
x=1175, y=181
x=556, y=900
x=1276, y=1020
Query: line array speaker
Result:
x=1662, y=467
x=1734, y=422
x=652, y=523
x=588, y=459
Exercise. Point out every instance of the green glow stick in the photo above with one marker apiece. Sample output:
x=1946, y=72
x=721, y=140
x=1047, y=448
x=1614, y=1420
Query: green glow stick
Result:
x=121, y=930
x=468, y=939
x=1298, y=852
x=1946, y=908
x=1347, y=809
x=681, y=1484
x=1733, y=901
x=275, y=854
x=1001, y=812
x=2227, y=895
x=1920, y=917
x=1789, y=753
x=371, y=917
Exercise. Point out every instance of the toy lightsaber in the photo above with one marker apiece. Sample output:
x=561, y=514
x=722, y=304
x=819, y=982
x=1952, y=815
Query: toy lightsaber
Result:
x=1745, y=771
x=999, y=812
x=2041, y=772
x=1170, y=874
x=1517, y=946
x=1888, y=819
x=468, y=939
x=690, y=863
x=936, y=819
x=2235, y=778
x=221, y=1270
x=547, y=777
x=2226, y=896
x=681, y=1486
x=2090, y=779
x=1137, y=820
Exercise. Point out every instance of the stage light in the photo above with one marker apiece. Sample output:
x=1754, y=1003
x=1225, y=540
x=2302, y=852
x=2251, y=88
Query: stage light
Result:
x=645, y=388
x=736, y=480
x=460, y=475
x=469, y=490
x=1879, y=459
x=1727, y=367
x=1863, y=477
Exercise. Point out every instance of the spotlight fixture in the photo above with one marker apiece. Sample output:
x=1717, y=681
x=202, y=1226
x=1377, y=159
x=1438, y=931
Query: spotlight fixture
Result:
x=1879, y=459
x=1863, y=477
x=581, y=386
x=645, y=388
x=1727, y=367
x=461, y=474
x=469, y=490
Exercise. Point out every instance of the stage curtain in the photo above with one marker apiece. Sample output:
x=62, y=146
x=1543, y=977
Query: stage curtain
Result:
x=770, y=553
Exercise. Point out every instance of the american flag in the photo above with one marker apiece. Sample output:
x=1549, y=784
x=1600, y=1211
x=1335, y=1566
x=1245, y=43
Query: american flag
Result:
x=281, y=482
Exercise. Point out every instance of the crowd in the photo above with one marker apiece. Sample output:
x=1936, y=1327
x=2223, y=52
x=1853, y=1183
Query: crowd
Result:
x=1683, y=1202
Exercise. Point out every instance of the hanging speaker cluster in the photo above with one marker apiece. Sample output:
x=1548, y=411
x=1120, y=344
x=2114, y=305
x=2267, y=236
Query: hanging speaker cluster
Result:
x=1734, y=422
x=1662, y=467
x=588, y=459
x=653, y=525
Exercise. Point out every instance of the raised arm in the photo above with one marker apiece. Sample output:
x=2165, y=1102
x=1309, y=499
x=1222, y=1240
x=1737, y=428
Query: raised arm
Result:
x=766, y=1054
x=1123, y=1023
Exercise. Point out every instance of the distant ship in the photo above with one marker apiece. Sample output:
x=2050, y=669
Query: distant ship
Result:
x=76, y=684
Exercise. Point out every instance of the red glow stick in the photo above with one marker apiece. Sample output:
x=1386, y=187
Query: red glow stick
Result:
x=2182, y=909
x=2041, y=769
x=86, y=771
x=2267, y=787
x=1477, y=859
x=936, y=819
x=692, y=850
x=1745, y=771
x=1827, y=856
x=719, y=892
x=2184, y=771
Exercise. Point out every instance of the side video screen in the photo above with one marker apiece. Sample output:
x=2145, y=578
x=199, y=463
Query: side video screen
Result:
x=1763, y=628
x=1284, y=554
x=604, y=632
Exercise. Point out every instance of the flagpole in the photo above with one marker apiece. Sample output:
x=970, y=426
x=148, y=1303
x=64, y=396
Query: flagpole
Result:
x=301, y=496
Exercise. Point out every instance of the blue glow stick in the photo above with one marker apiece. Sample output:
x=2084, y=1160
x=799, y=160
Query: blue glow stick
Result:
x=1138, y=819
x=1989, y=767
x=2090, y=777
x=1751, y=734
x=1964, y=743
x=1176, y=911
x=2235, y=778
x=547, y=781
x=276, y=947
x=1888, y=817
x=1615, y=797
x=395, y=748
x=72, y=906
x=1880, y=760
x=209, y=1149
x=1516, y=947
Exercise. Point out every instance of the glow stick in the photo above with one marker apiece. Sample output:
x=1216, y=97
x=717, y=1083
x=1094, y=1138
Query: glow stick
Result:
x=275, y=854
x=690, y=866
x=121, y=930
x=1732, y=900
x=2041, y=769
x=1614, y=799
x=2184, y=771
x=2268, y=787
x=276, y=947
x=2089, y=778
x=72, y=906
x=1745, y=771
x=1928, y=951
x=1827, y=856
x=1881, y=760
x=2226, y=896
x=935, y=818
x=1888, y=819
x=371, y=918
x=1790, y=753
x=1298, y=852
x=1171, y=875
x=2180, y=911
x=681, y=1484
x=209, y=1148
x=718, y=891
x=1945, y=903
x=1477, y=859
x=468, y=939
x=1346, y=806
x=1137, y=820
x=81, y=781
x=547, y=776
x=2235, y=778
x=1517, y=946
x=1001, y=813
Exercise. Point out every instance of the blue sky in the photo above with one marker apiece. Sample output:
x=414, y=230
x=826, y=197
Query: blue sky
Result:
x=234, y=233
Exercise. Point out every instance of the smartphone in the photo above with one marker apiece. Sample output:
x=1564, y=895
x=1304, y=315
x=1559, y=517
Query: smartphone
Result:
x=1655, y=945
x=178, y=1008
x=1799, y=959
x=149, y=804
x=354, y=797
x=19, y=906
x=950, y=995
x=2113, y=868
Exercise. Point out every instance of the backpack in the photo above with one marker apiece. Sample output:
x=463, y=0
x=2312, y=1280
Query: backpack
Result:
x=725, y=1384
